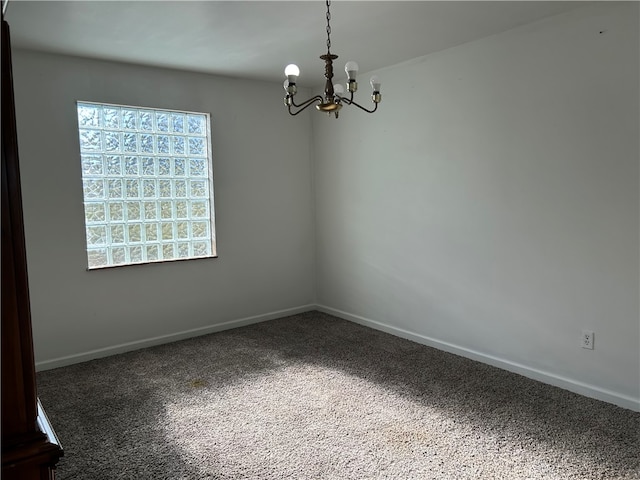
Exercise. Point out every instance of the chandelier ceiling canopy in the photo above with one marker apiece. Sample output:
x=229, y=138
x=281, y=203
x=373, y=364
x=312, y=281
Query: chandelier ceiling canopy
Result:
x=334, y=95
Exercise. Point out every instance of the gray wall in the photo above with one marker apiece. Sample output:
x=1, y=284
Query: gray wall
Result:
x=265, y=238
x=490, y=207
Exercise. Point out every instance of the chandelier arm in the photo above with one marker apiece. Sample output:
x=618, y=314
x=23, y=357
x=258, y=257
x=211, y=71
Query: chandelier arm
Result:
x=306, y=103
x=352, y=102
x=294, y=113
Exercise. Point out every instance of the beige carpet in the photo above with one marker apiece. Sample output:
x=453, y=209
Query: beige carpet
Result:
x=315, y=397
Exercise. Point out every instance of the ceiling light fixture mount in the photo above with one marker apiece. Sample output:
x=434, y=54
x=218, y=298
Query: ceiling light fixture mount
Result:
x=333, y=99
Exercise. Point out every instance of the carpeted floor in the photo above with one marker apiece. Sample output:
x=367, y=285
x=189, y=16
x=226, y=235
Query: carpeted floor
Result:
x=315, y=397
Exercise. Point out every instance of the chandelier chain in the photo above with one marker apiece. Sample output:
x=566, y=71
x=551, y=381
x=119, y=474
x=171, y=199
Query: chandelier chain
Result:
x=328, y=26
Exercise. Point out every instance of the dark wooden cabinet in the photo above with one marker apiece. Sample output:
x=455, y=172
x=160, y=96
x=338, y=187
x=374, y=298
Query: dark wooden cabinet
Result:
x=30, y=449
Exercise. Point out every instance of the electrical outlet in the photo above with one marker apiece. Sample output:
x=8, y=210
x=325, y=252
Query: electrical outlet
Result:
x=587, y=339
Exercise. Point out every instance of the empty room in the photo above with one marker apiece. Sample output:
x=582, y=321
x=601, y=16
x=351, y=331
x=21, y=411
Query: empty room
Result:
x=232, y=252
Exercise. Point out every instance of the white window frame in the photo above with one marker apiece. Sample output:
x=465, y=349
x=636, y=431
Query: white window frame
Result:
x=128, y=238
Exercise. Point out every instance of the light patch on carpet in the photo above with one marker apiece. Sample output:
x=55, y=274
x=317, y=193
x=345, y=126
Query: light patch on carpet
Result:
x=303, y=419
x=282, y=417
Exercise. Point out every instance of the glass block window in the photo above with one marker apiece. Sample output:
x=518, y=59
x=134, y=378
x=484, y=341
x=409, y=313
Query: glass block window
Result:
x=147, y=183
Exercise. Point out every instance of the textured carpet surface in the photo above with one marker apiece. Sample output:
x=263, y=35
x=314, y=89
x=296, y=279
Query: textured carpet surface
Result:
x=315, y=397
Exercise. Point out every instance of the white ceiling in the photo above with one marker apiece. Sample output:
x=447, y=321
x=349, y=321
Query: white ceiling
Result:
x=257, y=39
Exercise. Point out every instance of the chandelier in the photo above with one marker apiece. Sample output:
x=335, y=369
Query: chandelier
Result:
x=334, y=95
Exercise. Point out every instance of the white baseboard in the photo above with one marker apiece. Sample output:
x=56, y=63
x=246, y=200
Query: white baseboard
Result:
x=173, y=337
x=581, y=388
